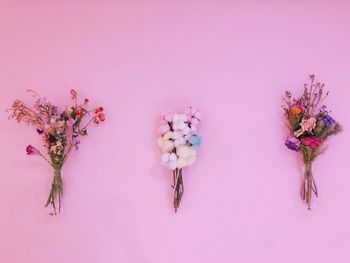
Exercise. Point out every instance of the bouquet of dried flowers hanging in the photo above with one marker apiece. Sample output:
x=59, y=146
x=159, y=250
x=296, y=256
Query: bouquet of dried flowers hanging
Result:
x=178, y=142
x=310, y=126
x=60, y=131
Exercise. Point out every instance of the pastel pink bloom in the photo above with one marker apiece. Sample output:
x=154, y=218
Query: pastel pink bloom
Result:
x=309, y=124
x=164, y=128
x=168, y=117
x=312, y=141
x=193, y=115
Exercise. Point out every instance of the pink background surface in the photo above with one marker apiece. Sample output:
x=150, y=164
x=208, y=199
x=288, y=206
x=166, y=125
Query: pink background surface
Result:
x=230, y=59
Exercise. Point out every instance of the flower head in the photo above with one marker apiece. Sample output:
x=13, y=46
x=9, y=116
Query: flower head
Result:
x=86, y=101
x=78, y=111
x=308, y=124
x=164, y=128
x=168, y=117
x=166, y=142
x=292, y=143
x=195, y=141
x=295, y=109
x=98, y=110
x=101, y=117
x=186, y=156
x=311, y=141
x=328, y=120
x=31, y=150
x=169, y=160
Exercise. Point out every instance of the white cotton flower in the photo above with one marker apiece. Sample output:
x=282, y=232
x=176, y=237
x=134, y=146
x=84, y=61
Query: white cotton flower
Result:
x=169, y=135
x=179, y=122
x=180, y=118
x=169, y=160
x=179, y=126
x=165, y=142
x=186, y=156
x=186, y=130
x=179, y=139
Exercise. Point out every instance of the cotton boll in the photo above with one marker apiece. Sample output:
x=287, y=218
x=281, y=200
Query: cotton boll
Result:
x=177, y=135
x=176, y=117
x=169, y=160
x=180, y=141
x=167, y=146
x=172, y=165
x=181, y=163
x=165, y=157
x=169, y=135
x=172, y=157
x=186, y=130
x=185, y=152
x=183, y=117
x=179, y=126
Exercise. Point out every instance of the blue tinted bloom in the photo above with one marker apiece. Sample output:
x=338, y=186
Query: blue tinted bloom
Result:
x=195, y=141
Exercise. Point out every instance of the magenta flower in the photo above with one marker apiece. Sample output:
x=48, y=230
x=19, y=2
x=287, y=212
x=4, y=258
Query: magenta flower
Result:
x=31, y=150
x=312, y=141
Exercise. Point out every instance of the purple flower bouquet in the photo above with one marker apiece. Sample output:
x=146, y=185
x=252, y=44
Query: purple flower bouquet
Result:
x=310, y=125
x=60, y=131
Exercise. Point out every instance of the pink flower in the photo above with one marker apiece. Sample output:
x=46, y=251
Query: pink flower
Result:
x=31, y=150
x=168, y=117
x=78, y=111
x=86, y=101
x=98, y=110
x=164, y=128
x=193, y=113
x=312, y=141
x=309, y=124
x=101, y=117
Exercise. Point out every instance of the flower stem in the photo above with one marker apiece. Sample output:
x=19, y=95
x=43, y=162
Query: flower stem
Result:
x=56, y=193
x=308, y=186
x=178, y=188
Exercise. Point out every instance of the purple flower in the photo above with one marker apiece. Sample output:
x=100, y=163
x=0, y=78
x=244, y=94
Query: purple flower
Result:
x=328, y=120
x=31, y=150
x=293, y=143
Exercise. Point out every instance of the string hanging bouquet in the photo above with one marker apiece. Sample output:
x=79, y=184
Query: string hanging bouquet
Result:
x=60, y=131
x=310, y=126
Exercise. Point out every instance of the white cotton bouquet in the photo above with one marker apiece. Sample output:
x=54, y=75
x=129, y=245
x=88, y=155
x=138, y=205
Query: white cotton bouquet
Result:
x=179, y=141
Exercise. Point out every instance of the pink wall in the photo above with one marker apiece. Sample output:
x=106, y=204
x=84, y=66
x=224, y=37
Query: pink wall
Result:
x=230, y=59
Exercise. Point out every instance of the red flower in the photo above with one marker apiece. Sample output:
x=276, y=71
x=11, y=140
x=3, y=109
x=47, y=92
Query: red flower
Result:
x=31, y=150
x=312, y=141
x=101, y=117
x=73, y=93
x=78, y=111
x=98, y=110
x=86, y=101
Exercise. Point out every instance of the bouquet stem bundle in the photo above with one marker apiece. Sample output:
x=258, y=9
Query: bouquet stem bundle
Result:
x=310, y=125
x=178, y=187
x=56, y=193
x=60, y=131
x=178, y=141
